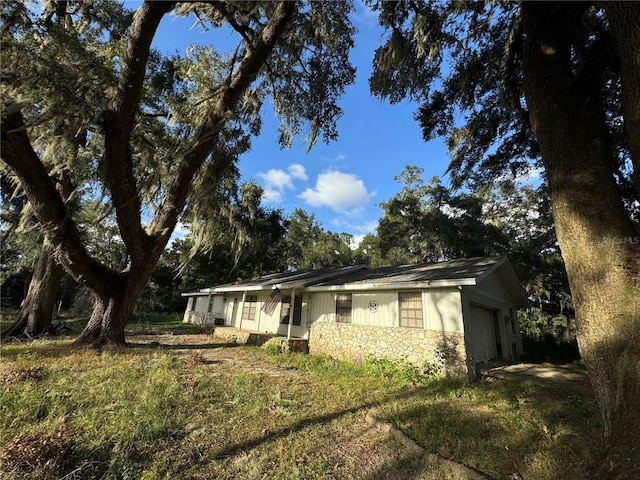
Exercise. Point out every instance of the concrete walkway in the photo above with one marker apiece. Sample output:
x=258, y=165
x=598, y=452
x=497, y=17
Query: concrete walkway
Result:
x=543, y=373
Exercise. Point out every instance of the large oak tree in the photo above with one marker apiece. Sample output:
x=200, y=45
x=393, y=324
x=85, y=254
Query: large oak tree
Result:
x=156, y=131
x=554, y=85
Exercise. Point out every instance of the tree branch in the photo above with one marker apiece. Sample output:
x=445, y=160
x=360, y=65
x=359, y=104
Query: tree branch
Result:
x=119, y=123
x=49, y=206
x=206, y=135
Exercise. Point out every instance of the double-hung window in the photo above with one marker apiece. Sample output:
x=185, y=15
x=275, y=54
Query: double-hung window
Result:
x=410, y=309
x=285, y=311
x=343, y=307
x=249, y=307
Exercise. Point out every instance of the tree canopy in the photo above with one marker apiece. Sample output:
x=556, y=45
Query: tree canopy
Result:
x=85, y=95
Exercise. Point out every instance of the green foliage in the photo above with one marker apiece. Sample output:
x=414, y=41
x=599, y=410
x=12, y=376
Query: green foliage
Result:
x=546, y=336
x=168, y=143
x=429, y=223
x=308, y=246
x=400, y=370
x=276, y=346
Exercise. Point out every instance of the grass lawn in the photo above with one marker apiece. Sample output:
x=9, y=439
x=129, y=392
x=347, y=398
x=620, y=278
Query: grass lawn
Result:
x=188, y=406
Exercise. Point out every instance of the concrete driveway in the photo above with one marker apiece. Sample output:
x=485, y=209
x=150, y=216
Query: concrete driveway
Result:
x=543, y=373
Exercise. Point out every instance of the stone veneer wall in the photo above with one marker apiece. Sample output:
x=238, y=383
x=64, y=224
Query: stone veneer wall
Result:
x=199, y=318
x=346, y=341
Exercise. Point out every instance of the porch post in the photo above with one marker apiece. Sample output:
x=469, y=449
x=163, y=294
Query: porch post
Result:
x=292, y=311
x=244, y=296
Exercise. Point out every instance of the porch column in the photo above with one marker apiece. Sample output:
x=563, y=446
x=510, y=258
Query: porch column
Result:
x=292, y=311
x=244, y=296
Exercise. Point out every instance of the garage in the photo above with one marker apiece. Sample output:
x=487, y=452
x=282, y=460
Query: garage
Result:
x=480, y=334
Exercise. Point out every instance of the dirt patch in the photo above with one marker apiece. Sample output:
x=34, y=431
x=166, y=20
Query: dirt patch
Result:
x=29, y=453
x=547, y=373
x=207, y=349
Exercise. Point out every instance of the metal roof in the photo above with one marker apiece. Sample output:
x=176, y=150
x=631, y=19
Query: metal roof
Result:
x=289, y=279
x=463, y=272
x=454, y=273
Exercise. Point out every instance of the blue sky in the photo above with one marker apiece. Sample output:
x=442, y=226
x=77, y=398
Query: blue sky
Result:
x=343, y=182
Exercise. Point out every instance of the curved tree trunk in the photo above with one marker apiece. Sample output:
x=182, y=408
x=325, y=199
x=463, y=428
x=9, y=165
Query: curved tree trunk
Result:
x=116, y=302
x=599, y=243
x=116, y=293
x=36, y=311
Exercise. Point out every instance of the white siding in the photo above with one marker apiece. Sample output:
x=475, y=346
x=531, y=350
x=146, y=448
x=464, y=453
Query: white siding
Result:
x=202, y=303
x=443, y=310
x=322, y=306
x=384, y=316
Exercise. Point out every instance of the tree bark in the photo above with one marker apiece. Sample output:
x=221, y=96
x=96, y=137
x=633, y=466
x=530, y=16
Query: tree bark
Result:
x=598, y=240
x=36, y=312
x=116, y=293
x=624, y=18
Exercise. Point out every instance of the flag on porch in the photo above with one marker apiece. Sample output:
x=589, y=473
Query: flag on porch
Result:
x=270, y=303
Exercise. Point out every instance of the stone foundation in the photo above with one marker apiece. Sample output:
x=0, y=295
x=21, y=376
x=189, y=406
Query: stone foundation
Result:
x=201, y=318
x=233, y=335
x=346, y=341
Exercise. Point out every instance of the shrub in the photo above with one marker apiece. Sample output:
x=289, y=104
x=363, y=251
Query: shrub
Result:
x=276, y=345
x=398, y=370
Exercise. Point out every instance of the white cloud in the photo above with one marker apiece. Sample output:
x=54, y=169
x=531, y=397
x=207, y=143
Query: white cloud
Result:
x=297, y=171
x=358, y=230
x=276, y=180
x=342, y=192
x=272, y=195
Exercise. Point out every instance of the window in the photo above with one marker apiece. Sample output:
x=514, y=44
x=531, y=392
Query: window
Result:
x=249, y=307
x=410, y=309
x=210, y=304
x=343, y=307
x=286, y=309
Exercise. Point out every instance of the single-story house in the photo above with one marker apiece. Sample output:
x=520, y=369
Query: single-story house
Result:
x=442, y=314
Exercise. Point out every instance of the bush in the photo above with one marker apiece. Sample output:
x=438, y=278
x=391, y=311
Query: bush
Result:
x=399, y=370
x=276, y=345
x=547, y=337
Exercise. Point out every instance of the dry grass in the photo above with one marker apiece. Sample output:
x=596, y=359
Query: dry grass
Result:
x=187, y=407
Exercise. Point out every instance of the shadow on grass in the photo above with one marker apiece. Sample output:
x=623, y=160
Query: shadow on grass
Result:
x=301, y=425
x=552, y=441
x=153, y=345
x=558, y=435
x=56, y=347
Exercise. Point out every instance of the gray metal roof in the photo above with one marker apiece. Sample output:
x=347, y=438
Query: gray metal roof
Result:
x=454, y=272
x=463, y=272
x=289, y=279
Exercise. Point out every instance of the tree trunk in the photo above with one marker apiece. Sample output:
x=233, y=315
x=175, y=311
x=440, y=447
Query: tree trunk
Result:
x=598, y=240
x=114, y=305
x=108, y=320
x=116, y=293
x=36, y=311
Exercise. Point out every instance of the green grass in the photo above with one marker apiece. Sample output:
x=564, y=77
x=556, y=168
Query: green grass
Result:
x=140, y=323
x=239, y=412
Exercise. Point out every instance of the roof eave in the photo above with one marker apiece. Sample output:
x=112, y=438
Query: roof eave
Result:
x=394, y=286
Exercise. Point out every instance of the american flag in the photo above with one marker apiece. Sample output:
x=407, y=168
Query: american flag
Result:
x=270, y=303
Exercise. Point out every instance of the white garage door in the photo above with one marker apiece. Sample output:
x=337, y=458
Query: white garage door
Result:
x=480, y=334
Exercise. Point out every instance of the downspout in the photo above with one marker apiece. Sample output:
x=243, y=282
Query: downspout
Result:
x=292, y=312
